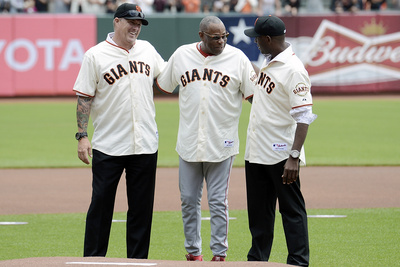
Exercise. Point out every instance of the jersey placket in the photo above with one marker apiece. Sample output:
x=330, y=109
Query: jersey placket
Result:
x=134, y=97
x=203, y=117
x=254, y=129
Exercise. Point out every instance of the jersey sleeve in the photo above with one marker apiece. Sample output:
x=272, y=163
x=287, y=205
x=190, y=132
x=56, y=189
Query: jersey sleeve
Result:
x=248, y=79
x=299, y=90
x=159, y=64
x=87, y=78
x=166, y=81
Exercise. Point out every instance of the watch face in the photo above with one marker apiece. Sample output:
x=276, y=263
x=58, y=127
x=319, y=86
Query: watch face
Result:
x=79, y=135
x=295, y=154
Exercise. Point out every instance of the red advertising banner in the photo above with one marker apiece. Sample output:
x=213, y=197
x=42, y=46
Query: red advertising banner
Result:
x=40, y=55
x=351, y=54
x=345, y=54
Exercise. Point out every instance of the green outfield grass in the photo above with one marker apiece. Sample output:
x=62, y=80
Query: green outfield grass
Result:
x=366, y=237
x=347, y=132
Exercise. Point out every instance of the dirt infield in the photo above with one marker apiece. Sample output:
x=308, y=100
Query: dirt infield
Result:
x=27, y=191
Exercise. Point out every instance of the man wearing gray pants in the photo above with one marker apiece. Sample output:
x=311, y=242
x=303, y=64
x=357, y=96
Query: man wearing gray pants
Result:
x=212, y=77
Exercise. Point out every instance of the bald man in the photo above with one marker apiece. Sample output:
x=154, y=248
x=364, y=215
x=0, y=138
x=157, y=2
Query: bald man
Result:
x=213, y=78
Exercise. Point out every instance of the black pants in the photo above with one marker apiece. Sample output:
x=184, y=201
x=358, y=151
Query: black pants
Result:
x=264, y=186
x=140, y=183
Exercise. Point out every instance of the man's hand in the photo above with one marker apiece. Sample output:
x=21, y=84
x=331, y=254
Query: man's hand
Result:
x=291, y=168
x=84, y=150
x=291, y=171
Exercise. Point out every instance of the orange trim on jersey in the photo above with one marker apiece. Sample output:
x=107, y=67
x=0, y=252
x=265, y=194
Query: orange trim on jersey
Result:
x=198, y=46
x=249, y=97
x=117, y=46
x=302, y=106
x=159, y=87
x=82, y=93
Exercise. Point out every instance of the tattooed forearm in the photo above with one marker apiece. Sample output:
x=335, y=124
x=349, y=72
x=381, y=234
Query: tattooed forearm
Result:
x=83, y=112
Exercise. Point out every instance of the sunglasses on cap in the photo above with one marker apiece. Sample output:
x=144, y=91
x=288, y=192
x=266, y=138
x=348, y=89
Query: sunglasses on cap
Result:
x=132, y=13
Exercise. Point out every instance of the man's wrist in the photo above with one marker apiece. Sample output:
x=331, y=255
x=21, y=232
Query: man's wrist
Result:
x=295, y=154
x=80, y=135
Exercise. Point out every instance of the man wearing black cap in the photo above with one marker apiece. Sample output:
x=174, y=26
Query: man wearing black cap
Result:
x=280, y=115
x=114, y=86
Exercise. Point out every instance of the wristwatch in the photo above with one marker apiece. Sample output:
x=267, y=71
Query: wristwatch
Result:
x=295, y=154
x=79, y=136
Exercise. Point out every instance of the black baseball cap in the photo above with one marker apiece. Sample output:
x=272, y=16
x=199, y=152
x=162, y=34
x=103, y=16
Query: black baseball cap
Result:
x=130, y=11
x=267, y=25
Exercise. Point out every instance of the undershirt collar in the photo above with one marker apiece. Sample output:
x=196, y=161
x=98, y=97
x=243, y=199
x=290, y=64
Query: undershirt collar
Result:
x=111, y=41
x=201, y=51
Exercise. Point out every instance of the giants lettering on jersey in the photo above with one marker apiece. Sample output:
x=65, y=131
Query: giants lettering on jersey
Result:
x=208, y=75
x=265, y=81
x=119, y=71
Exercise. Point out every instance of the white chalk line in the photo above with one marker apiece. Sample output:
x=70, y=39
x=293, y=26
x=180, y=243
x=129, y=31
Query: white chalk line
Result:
x=327, y=216
x=12, y=223
x=110, y=263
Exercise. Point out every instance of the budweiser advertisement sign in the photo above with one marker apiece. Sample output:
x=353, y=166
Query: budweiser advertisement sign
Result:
x=342, y=54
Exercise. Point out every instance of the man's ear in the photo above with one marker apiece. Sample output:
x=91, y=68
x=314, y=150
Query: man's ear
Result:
x=201, y=35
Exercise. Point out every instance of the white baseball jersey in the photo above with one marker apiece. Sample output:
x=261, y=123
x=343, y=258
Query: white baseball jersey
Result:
x=283, y=84
x=121, y=81
x=211, y=90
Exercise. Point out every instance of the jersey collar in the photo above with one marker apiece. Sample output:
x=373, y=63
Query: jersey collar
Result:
x=111, y=41
x=201, y=51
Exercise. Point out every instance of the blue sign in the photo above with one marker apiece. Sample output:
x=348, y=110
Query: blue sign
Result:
x=236, y=26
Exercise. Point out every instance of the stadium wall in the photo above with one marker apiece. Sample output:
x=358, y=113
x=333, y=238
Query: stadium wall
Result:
x=40, y=55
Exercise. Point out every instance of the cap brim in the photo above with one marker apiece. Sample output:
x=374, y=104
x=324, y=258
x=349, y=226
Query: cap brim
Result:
x=144, y=22
x=251, y=33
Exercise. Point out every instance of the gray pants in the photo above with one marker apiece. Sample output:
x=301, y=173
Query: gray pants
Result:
x=191, y=177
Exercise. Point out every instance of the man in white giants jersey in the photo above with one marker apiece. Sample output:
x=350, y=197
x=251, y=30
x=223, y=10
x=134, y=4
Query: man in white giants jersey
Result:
x=213, y=77
x=115, y=86
x=280, y=115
